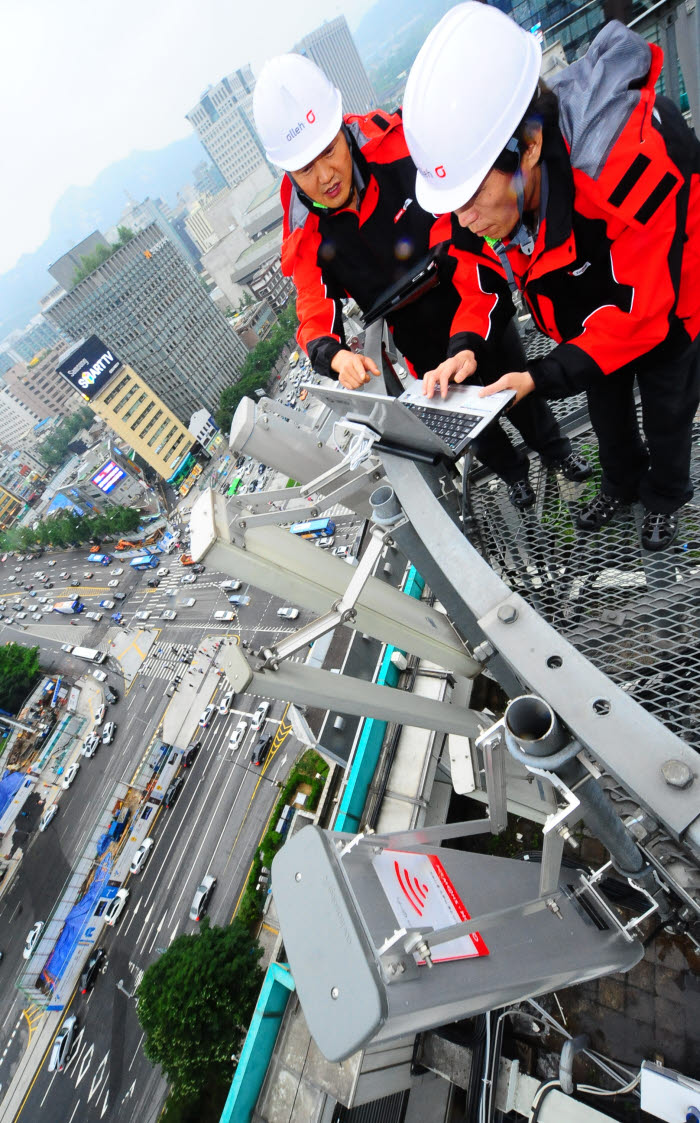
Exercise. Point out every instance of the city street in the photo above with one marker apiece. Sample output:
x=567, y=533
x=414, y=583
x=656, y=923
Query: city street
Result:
x=213, y=828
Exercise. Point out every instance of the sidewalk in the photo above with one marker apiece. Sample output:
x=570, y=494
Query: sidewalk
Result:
x=129, y=648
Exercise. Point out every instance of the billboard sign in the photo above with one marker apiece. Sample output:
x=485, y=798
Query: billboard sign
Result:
x=108, y=477
x=89, y=367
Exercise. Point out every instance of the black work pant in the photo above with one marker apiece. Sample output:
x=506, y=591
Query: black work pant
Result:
x=532, y=417
x=656, y=472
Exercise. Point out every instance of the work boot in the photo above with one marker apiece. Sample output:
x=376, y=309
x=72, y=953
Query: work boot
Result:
x=521, y=494
x=573, y=467
x=598, y=511
x=659, y=529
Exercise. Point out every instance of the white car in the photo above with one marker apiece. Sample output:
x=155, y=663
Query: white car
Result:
x=259, y=716
x=112, y=584
x=188, y=579
x=52, y=562
x=33, y=939
x=230, y=586
x=288, y=613
x=48, y=816
x=43, y=600
x=168, y=614
x=37, y=616
x=100, y=715
x=225, y=703
x=69, y=775
x=116, y=907
x=143, y=615
x=64, y=574
x=107, y=603
x=207, y=715
x=90, y=747
x=188, y=602
x=21, y=616
x=62, y=1046
x=141, y=856
x=341, y=551
x=117, y=572
x=238, y=735
x=99, y=675
x=227, y=617
x=97, y=616
x=46, y=608
x=67, y=647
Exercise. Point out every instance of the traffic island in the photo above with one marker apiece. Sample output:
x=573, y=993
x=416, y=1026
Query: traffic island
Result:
x=129, y=648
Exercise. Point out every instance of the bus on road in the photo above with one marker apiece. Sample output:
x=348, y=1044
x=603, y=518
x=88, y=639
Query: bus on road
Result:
x=144, y=561
x=313, y=528
x=90, y=654
x=69, y=607
x=235, y=485
x=99, y=559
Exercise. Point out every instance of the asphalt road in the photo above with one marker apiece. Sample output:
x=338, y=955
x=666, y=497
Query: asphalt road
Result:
x=214, y=827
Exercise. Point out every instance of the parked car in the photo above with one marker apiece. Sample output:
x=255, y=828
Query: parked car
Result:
x=48, y=816
x=141, y=856
x=325, y=541
x=207, y=715
x=90, y=746
x=116, y=907
x=259, y=716
x=287, y=613
x=32, y=939
x=108, y=733
x=341, y=551
x=100, y=715
x=111, y=695
x=261, y=749
x=190, y=754
x=173, y=792
x=225, y=703
x=238, y=735
x=69, y=775
x=63, y=1044
x=200, y=901
x=99, y=675
x=91, y=969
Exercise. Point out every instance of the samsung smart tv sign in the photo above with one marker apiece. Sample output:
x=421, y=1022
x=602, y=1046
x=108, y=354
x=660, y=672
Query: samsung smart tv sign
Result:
x=89, y=367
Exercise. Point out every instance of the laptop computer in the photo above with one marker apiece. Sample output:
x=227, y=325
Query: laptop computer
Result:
x=427, y=429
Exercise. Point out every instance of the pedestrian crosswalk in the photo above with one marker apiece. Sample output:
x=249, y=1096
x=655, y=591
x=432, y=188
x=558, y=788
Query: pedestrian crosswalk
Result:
x=165, y=658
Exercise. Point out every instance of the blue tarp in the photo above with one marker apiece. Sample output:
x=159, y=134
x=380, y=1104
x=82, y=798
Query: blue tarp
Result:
x=9, y=786
x=75, y=923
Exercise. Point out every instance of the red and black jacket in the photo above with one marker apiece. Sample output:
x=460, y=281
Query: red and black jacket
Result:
x=614, y=273
x=334, y=254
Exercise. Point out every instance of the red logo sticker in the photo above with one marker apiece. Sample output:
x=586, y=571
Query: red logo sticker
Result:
x=311, y=116
x=440, y=172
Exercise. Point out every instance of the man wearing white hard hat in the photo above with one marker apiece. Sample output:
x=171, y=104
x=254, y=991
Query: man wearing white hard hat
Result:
x=352, y=227
x=587, y=200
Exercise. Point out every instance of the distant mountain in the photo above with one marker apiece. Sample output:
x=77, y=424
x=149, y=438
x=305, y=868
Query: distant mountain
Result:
x=385, y=24
x=83, y=209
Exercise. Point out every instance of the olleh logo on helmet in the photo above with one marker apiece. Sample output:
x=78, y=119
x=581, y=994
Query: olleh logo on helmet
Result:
x=299, y=128
x=440, y=172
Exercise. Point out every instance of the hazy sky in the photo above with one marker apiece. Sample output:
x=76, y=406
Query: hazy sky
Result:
x=85, y=82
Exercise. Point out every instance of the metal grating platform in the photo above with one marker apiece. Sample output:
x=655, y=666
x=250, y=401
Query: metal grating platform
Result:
x=632, y=613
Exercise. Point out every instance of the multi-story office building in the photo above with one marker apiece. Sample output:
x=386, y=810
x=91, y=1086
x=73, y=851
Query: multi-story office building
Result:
x=208, y=180
x=332, y=47
x=10, y=507
x=36, y=337
x=130, y=407
x=15, y=419
x=147, y=303
x=137, y=216
x=35, y=385
x=223, y=121
x=6, y=361
x=66, y=266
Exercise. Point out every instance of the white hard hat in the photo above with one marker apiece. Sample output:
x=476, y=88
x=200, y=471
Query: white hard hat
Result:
x=467, y=92
x=297, y=111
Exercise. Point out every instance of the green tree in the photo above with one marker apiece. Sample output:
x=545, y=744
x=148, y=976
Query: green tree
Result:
x=195, y=1003
x=53, y=451
x=100, y=254
x=19, y=670
x=257, y=367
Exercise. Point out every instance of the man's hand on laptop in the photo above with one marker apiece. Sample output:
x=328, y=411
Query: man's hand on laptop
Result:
x=455, y=369
x=353, y=370
x=521, y=381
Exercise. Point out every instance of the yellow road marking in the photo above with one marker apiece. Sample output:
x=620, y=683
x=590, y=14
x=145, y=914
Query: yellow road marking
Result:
x=41, y=1063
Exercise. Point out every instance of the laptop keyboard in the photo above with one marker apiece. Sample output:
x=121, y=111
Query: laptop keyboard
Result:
x=454, y=428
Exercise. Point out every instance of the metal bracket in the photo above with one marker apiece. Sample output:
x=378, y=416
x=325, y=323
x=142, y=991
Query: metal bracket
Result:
x=553, y=833
x=493, y=746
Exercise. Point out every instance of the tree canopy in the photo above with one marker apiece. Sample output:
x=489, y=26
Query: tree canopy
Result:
x=68, y=529
x=257, y=368
x=54, y=449
x=195, y=1003
x=19, y=670
x=92, y=260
